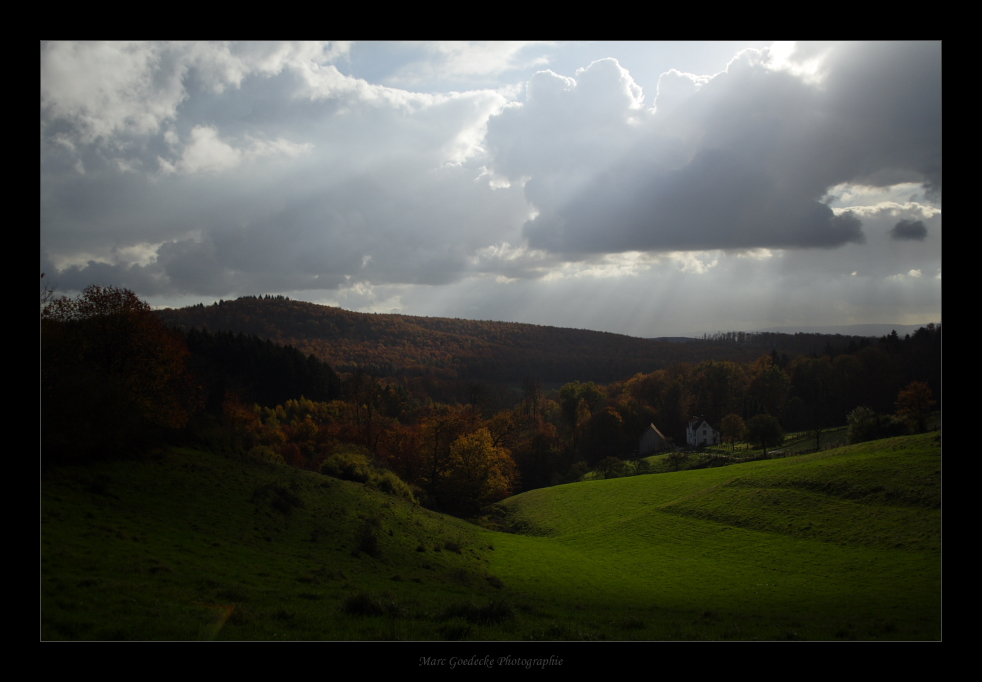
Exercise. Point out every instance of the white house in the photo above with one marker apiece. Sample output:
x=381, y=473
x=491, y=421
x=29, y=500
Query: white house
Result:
x=699, y=433
x=651, y=441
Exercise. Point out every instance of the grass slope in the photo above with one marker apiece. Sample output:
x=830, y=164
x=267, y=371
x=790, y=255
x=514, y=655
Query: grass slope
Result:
x=838, y=544
x=192, y=545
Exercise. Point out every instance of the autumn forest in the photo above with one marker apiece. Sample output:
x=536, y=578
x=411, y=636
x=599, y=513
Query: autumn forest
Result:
x=454, y=414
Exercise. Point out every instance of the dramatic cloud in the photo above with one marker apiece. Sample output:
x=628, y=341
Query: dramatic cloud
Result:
x=504, y=186
x=449, y=63
x=739, y=160
x=909, y=229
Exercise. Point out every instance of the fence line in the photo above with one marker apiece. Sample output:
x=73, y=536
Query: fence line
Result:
x=830, y=440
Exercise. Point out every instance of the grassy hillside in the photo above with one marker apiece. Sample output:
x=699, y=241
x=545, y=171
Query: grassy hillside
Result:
x=191, y=545
x=839, y=544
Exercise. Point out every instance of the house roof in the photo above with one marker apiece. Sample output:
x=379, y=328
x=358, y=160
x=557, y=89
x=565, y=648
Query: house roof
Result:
x=655, y=429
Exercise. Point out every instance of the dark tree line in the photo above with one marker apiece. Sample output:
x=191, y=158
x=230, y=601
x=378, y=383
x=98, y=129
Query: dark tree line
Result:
x=114, y=379
x=257, y=371
x=442, y=349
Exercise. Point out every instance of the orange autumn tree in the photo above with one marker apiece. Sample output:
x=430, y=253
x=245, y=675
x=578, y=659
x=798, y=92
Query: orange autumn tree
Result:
x=914, y=405
x=477, y=473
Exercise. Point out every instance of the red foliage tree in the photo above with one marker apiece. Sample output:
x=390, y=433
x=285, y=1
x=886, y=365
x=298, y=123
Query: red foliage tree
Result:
x=914, y=405
x=112, y=375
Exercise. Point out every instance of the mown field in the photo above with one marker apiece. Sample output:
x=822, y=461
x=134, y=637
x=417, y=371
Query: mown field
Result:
x=840, y=544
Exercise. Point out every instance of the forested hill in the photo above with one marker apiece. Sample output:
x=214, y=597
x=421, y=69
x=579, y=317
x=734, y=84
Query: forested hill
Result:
x=450, y=348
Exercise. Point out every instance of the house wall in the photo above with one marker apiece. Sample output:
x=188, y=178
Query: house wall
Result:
x=651, y=442
x=703, y=434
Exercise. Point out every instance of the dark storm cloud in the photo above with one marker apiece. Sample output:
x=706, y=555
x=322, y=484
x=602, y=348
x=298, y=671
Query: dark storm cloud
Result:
x=718, y=201
x=742, y=160
x=909, y=230
x=888, y=97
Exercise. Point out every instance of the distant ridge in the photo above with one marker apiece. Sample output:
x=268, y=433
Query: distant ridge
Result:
x=458, y=350
x=448, y=349
x=876, y=330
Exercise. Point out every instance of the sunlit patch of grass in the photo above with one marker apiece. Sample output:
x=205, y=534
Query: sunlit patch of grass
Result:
x=756, y=536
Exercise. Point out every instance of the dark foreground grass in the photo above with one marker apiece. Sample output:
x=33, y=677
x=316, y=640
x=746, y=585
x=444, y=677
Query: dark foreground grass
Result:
x=190, y=545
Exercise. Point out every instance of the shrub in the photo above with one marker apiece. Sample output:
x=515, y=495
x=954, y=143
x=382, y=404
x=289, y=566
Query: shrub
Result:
x=349, y=462
x=574, y=474
x=390, y=484
x=676, y=458
x=277, y=496
x=610, y=467
x=862, y=424
x=353, y=463
x=865, y=425
x=264, y=453
x=421, y=496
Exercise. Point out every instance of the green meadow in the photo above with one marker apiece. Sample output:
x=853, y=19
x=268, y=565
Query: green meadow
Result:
x=842, y=544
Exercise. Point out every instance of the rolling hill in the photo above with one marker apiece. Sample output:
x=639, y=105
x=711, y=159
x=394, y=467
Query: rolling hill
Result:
x=842, y=544
x=470, y=350
x=839, y=544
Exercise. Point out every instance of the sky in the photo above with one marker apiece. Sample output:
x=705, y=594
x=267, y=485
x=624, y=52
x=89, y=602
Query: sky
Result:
x=650, y=189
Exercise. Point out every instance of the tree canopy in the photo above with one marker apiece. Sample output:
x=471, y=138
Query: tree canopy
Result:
x=764, y=430
x=112, y=375
x=914, y=404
